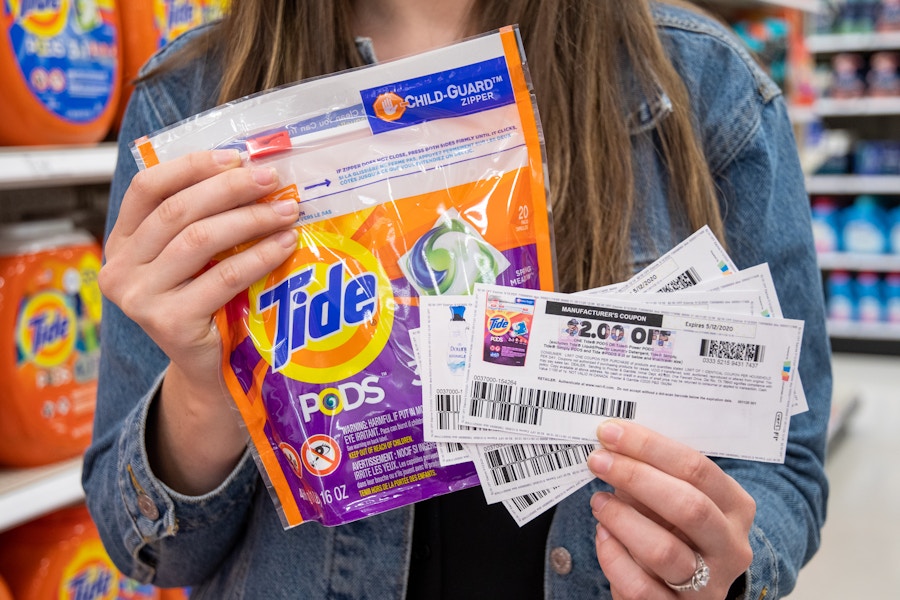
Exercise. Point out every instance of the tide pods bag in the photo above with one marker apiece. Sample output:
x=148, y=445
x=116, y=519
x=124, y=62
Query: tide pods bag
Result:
x=422, y=176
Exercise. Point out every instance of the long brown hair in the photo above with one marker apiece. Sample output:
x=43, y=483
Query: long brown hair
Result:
x=575, y=51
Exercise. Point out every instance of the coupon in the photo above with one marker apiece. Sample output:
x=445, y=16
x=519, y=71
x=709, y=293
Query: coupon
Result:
x=451, y=452
x=733, y=301
x=720, y=383
x=509, y=470
x=698, y=258
x=446, y=324
x=526, y=507
x=758, y=280
x=701, y=261
x=532, y=499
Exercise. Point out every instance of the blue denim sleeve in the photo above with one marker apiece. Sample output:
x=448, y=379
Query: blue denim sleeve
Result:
x=766, y=214
x=137, y=515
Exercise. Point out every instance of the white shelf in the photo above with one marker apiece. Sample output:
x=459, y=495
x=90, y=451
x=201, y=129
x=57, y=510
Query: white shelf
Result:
x=864, y=331
x=852, y=185
x=852, y=42
x=30, y=167
x=802, y=115
x=805, y=5
x=29, y=493
x=857, y=107
x=848, y=261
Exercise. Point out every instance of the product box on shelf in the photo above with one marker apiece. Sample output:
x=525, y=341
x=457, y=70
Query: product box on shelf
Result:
x=59, y=63
x=60, y=556
x=50, y=321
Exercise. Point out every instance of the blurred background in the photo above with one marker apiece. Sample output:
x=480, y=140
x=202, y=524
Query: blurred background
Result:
x=838, y=62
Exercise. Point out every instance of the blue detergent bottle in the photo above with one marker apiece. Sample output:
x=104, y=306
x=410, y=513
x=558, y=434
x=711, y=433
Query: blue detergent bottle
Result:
x=892, y=298
x=864, y=226
x=894, y=230
x=869, y=298
x=826, y=224
x=841, y=303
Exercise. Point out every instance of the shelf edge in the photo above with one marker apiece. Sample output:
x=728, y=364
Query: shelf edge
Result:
x=59, y=488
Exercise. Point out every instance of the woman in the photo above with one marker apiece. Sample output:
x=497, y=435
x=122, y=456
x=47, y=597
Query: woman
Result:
x=178, y=500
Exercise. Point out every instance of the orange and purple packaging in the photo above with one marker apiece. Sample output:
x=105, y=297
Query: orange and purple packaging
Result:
x=416, y=177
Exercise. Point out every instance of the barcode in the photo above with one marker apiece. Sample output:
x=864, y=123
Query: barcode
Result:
x=732, y=350
x=578, y=403
x=447, y=411
x=687, y=279
x=501, y=411
x=522, y=461
x=524, y=501
x=496, y=401
x=452, y=446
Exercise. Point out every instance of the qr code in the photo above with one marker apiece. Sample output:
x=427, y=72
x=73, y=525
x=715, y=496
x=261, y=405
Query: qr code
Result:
x=732, y=350
x=689, y=278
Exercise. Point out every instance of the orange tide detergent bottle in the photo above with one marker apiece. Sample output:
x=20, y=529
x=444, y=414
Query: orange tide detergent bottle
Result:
x=59, y=64
x=49, y=324
x=148, y=25
x=60, y=557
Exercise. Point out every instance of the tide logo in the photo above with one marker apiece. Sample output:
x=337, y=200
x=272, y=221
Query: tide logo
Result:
x=42, y=18
x=90, y=575
x=175, y=17
x=497, y=324
x=325, y=314
x=46, y=330
x=389, y=106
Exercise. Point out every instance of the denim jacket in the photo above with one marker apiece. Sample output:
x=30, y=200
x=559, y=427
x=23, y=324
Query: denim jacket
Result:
x=229, y=543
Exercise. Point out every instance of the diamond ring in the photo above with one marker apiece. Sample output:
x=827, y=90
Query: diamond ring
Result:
x=697, y=581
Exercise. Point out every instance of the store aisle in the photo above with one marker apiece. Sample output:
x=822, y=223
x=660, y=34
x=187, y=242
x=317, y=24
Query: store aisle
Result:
x=860, y=550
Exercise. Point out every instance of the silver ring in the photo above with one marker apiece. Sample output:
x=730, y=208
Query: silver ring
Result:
x=697, y=581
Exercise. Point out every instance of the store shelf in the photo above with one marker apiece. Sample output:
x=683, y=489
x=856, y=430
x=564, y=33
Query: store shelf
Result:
x=29, y=493
x=848, y=261
x=805, y=5
x=857, y=107
x=852, y=42
x=864, y=331
x=802, y=114
x=26, y=167
x=852, y=185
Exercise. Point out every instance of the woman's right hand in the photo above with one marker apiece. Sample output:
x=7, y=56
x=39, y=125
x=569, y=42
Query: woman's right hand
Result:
x=175, y=217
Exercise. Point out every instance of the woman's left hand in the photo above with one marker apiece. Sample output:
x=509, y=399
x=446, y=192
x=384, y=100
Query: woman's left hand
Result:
x=670, y=503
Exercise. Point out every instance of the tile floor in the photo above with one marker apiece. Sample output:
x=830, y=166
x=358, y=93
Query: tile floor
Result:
x=860, y=553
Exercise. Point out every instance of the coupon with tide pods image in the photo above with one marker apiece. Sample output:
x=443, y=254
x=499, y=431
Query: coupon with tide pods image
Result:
x=417, y=177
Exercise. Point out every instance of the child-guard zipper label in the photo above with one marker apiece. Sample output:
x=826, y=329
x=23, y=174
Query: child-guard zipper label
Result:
x=452, y=93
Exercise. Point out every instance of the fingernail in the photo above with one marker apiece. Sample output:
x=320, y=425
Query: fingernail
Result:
x=610, y=433
x=285, y=207
x=602, y=533
x=263, y=175
x=598, y=501
x=226, y=157
x=288, y=239
x=599, y=462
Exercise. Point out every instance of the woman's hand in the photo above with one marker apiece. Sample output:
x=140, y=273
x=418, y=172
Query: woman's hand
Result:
x=670, y=502
x=175, y=217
